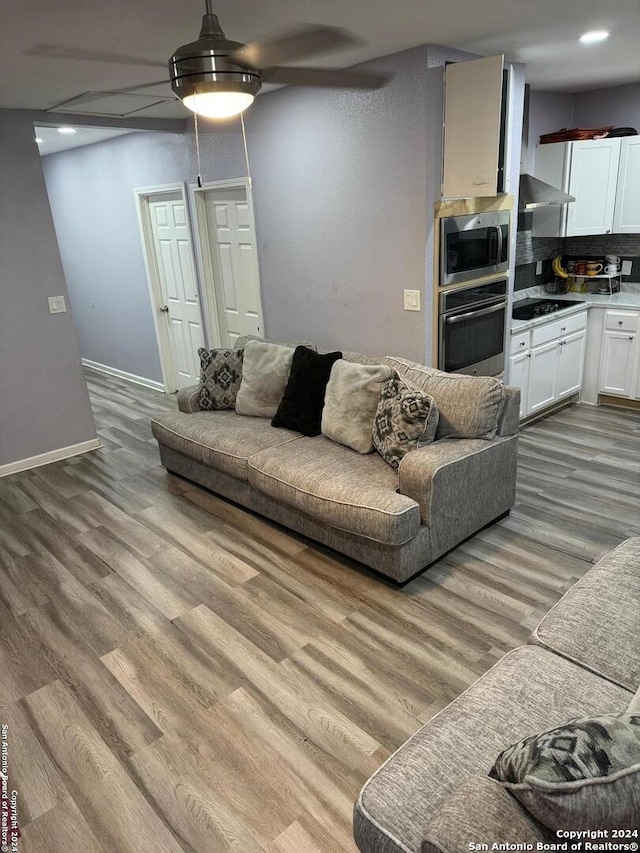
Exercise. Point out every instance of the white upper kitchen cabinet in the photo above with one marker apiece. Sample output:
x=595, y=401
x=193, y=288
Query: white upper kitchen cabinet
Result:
x=626, y=218
x=589, y=172
x=472, y=127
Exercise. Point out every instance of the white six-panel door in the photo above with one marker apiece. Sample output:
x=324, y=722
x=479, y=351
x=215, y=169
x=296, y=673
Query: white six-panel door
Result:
x=177, y=279
x=232, y=248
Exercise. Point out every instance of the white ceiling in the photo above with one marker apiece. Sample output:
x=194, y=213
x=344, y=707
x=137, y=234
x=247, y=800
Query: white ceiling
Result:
x=541, y=33
x=53, y=141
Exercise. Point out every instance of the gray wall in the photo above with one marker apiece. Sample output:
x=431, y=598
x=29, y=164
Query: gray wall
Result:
x=91, y=194
x=341, y=214
x=44, y=403
x=548, y=111
x=618, y=105
x=339, y=186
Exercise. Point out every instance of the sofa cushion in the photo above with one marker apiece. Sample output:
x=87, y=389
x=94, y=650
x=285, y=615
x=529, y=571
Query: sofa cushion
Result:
x=301, y=405
x=220, y=377
x=529, y=690
x=582, y=774
x=337, y=486
x=350, y=403
x=265, y=371
x=469, y=406
x=406, y=419
x=597, y=622
x=219, y=439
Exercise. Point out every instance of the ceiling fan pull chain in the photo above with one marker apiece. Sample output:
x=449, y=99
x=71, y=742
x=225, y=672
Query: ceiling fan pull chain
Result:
x=195, y=124
x=246, y=150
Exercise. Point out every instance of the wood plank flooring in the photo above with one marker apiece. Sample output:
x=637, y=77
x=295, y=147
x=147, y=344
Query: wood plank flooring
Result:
x=180, y=675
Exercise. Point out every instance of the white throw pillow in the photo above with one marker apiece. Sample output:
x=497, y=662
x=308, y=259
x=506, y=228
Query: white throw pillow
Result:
x=351, y=401
x=265, y=372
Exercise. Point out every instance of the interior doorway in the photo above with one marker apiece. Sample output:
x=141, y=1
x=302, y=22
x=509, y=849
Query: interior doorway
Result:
x=228, y=258
x=165, y=232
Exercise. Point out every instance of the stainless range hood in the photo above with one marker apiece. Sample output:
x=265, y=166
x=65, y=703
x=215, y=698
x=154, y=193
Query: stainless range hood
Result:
x=536, y=193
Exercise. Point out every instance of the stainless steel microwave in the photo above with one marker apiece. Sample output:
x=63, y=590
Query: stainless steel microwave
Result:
x=473, y=246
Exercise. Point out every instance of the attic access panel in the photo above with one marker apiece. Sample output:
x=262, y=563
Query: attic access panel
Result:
x=113, y=104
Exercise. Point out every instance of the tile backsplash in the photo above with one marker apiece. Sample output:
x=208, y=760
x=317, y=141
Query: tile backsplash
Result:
x=530, y=249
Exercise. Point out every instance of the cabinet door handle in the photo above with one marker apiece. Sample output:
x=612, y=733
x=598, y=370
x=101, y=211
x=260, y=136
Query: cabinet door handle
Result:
x=529, y=356
x=563, y=329
x=631, y=337
x=522, y=343
x=620, y=322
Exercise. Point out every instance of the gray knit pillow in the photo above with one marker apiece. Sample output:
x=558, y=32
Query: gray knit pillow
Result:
x=584, y=774
x=350, y=403
x=405, y=420
x=220, y=377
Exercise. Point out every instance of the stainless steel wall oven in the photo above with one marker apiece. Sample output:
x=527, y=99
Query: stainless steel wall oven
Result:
x=473, y=246
x=472, y=328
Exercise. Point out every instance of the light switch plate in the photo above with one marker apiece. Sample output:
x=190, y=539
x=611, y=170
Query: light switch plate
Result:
x=411, y=300
x=57, y=305
x=538, y=267
x=626, y=268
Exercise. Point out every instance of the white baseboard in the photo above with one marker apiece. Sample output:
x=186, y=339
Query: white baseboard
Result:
x=122, y=374
x=49, y=457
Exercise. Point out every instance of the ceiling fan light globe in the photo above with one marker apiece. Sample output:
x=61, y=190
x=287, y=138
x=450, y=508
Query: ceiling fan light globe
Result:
x=218, y=104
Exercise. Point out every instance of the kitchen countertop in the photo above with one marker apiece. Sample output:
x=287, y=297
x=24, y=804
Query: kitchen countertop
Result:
x=623, y=299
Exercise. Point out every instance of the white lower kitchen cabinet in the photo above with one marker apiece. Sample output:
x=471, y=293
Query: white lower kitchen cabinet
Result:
x=571, y=364
x=543, y=377
x=620, y=354
x=547, y=362
x=519, y=378
x=616, y=368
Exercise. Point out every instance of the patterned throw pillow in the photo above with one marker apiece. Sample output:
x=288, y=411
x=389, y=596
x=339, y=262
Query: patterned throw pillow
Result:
x=220, y=377
x=584, y=774
x=405, y=420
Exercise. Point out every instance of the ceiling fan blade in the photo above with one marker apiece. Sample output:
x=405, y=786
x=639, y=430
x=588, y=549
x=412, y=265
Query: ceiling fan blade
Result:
x=296, y=44
x=329, y=77
x=57, y=51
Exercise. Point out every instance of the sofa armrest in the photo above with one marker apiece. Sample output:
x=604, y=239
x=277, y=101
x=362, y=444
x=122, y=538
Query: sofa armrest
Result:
x=460, y=484
x=188, y=399
x=481, y=810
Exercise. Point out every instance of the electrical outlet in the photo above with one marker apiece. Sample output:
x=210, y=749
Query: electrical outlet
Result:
x=626, y=267
x=538, y=267
x=411, y=300
x=57, y=305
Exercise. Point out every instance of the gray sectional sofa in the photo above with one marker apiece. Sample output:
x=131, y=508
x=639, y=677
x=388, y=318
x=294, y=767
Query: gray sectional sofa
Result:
x=434, y=795
x=396, y=522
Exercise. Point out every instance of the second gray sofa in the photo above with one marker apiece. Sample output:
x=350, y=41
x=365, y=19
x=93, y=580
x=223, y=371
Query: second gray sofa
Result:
x=396, y=522
x=434, y=794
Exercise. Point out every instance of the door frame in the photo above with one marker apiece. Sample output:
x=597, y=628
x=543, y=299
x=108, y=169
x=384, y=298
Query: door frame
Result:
x=208, y=268
x=143, y=195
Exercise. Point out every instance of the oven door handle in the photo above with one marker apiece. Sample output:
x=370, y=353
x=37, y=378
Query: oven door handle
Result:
x=498, y=244
x=458, y=318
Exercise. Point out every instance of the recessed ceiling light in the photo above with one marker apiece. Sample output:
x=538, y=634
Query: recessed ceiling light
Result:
x=39, y=140
x=66, y=130
x=594, y=36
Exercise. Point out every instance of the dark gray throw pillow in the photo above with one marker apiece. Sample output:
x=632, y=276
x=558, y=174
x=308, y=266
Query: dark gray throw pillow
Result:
x=584, y=774
x=406, y=419
x=301, y=406
x=220, y=377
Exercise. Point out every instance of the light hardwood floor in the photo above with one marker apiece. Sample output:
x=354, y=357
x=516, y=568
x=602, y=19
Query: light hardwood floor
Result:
x=180, y=675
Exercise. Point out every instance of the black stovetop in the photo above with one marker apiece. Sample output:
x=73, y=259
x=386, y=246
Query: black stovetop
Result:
x=530, y=308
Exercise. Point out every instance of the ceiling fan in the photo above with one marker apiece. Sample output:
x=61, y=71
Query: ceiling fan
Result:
x=216, y=77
